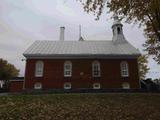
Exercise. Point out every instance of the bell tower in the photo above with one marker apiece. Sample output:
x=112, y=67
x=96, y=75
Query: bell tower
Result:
x=117, y=29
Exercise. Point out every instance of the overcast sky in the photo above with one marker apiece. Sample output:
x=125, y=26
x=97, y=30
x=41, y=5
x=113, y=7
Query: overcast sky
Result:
x=24, y=21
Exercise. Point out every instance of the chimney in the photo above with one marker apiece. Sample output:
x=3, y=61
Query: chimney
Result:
x=61, y=38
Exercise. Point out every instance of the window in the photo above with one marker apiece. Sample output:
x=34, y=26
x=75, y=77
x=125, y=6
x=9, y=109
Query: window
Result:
x=118, y=30
x=67, y=69
x=96, y=71
x=39, y=69
x=67, y=86
x=124, y=69
x=96, y=86
x=125, y=85
x=38, y=86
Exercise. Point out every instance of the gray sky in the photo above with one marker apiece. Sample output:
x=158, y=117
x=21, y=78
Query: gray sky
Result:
x=24, y=21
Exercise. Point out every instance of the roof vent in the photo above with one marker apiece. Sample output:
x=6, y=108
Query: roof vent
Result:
x=80, y=36
x=81, y=39
x=62, y=30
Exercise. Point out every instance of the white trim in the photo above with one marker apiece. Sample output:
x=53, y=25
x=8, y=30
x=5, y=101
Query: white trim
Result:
x=38, y=86
x=89, y=56
x=96, y=86
x=67, y=85
x=24, y=75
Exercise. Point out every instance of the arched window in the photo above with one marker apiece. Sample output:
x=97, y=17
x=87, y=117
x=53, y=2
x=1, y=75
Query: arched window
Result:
x=67, y=69
x=39, y=69
x=96, y=70
x=118, y=30
x=96, y=86
x=38, y=85
x=125, y=85
x=124, y=69
x=67, y=85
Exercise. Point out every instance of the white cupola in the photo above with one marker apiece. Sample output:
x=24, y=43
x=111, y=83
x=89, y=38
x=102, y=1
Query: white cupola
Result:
x=118, y=36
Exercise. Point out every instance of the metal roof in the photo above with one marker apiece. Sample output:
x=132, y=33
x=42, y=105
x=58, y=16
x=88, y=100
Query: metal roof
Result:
x=80, y=48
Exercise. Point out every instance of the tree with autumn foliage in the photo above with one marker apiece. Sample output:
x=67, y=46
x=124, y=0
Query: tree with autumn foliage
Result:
x=146, y=13
x=143, y=66
x=7, y=70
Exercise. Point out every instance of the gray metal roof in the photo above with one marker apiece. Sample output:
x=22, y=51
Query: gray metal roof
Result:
x=80, y=48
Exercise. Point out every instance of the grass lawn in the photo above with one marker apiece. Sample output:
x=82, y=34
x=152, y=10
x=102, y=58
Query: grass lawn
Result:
x=108, y=106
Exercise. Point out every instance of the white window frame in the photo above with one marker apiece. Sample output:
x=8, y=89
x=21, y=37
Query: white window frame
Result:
x=39, y=69
x=67, y=86
x=96, y=86
x=126, y=85
x=67, y=71
x=96, y=68
x=38, y=86
x=124, y=69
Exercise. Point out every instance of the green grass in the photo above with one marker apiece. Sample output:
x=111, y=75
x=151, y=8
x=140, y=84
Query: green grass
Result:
x=109, y=106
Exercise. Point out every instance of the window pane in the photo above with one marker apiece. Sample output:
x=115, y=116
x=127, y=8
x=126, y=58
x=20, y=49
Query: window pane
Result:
x=39, y=69
x=67, y=85
x=67, y=66
x=68, y=72
x=96, y=86
x=96, y=69
x=124, y=69
x=67, y=69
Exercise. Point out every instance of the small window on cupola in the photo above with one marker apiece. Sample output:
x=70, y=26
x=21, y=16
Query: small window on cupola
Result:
x=118, y=30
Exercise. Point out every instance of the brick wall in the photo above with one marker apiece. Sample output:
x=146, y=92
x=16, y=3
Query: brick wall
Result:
x=54, y=74
x=16, y=86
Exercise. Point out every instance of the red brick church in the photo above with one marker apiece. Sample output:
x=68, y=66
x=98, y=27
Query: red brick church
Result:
x=82, y=64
